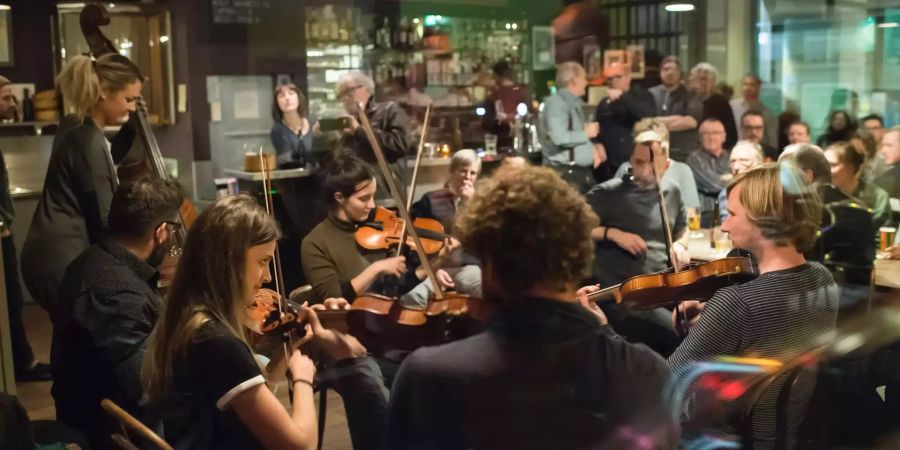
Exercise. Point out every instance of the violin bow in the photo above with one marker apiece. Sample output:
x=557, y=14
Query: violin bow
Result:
x=415, y=177
x=663, y=211
x=288, y=341
x=398, y=199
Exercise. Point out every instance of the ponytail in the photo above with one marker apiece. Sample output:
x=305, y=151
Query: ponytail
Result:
x=83, y=80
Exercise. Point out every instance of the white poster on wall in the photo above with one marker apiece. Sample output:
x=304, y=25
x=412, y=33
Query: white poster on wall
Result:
x=246, y=104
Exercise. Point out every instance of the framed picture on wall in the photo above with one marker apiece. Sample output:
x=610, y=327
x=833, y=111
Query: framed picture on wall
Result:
x=613, y=56
x=592, y=60
x=544, y=48
x=634, y=55
x=6, y=44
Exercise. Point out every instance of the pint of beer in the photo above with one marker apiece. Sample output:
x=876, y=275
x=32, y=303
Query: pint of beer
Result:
x=888, y=234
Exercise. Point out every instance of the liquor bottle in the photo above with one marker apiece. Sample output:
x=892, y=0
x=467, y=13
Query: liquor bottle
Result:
x=27, y=108
x=383, y=35
x=400, y=35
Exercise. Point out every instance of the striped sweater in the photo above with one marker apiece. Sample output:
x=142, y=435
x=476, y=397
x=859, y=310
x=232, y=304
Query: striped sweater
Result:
x=778, y=315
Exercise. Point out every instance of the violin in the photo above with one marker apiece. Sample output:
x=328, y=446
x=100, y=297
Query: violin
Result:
x=699, y=282
x=386, y=229
x=266, y=317
x=384, y=325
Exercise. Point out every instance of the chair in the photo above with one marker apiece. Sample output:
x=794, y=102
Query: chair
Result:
x=129, y=422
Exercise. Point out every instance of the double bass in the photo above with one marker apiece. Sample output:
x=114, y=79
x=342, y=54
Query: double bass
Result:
x=92, y=17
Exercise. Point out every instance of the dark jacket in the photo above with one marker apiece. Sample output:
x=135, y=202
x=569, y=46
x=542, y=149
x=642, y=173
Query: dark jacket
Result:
x=890, y=181
x=717, y=106
x=72, y=210
x=108, y=304
x=393, y=133
x=616, y=122
x=545, y=375
x=439, y=205
x=7, y=211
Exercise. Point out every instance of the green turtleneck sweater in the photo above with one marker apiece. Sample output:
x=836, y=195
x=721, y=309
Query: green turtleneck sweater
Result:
x=331, y=258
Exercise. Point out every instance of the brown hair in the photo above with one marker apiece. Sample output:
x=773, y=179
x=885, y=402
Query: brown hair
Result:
x=208, y=284
x=780, y=203
x=83, y=80
x=277, y=113
x=850, y=155
x=514, y=222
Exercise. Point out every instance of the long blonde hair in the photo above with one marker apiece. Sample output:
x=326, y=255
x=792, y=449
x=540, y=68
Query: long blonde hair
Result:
x=208, y=285
x=83, y=80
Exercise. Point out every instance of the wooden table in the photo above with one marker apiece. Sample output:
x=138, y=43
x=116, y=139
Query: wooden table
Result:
x=887, y=272
x=700, y=249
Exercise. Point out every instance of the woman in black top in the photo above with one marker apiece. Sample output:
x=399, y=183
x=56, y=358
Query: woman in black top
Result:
x=199, y=370
x=81, y=176
x=292, y=134
x=841, y=127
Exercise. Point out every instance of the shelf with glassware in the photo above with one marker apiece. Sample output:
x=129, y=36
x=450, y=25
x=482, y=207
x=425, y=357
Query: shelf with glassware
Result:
x=446, y=61
x=336, y=37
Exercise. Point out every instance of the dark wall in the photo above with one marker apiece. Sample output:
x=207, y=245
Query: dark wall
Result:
x=32, y=50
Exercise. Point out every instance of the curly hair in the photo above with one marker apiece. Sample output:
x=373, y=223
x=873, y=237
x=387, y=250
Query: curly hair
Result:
x=531, y=228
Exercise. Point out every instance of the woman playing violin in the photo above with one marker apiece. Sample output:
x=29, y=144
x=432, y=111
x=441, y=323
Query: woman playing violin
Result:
x=199, y=371
x=332, y=262
x=782, y=313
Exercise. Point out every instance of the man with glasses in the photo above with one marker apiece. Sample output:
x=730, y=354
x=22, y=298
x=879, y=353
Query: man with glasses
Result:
x=390, y=125
x=744, y=156
x=753, y=128
x=108, y=304
x=710, y=165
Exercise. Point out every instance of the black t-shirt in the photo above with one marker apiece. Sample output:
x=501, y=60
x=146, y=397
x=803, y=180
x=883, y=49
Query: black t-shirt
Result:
x=214, y=369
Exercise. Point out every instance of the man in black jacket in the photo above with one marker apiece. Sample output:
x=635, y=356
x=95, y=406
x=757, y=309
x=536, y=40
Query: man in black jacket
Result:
x=26, y=367
x=108, y=306
x=548, y=372
x=617, y=114
x=390, y=125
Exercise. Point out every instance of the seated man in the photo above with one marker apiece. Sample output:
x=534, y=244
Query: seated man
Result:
x=545, y=362
x=678, y=172
x=631, y=240
x=710, y=166
x=109, y=303
x=744, y=156
x=782, y=313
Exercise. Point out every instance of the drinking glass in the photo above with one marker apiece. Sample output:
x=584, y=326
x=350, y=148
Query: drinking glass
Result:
x=490, y=144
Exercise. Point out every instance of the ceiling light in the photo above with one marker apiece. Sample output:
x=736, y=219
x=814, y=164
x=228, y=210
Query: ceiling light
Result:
x=5, y=7
x=679, y=7
x=888, y=25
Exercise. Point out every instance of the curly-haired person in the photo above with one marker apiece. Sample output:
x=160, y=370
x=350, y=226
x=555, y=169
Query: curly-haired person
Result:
x=545, y=362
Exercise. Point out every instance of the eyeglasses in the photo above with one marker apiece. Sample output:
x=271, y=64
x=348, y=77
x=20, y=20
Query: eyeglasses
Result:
x=751, y=127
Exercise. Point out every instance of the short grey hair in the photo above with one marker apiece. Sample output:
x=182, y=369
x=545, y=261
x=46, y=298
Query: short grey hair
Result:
x=464, y=158
x=757, y=149
x=566, y=72
x=707, y=68
x=352, y=79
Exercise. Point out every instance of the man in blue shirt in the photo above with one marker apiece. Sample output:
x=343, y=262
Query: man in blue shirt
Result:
x=566, y=137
